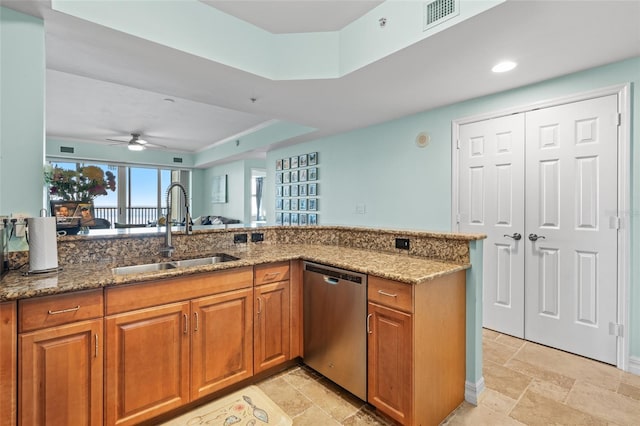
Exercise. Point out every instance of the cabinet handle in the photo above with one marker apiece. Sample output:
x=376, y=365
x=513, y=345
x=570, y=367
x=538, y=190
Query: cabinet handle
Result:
x=186, y=323
x=195, y=314
x=63, y=311
x=369, y=324
x=96, y=354
x=384, y=293
x=259, y=306
x=271, y=276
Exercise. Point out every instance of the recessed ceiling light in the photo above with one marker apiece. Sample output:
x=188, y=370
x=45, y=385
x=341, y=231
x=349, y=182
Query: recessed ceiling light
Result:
x=504, y=66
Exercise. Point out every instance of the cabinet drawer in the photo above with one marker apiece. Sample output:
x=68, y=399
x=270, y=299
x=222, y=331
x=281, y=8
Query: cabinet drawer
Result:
x=49, y=311
x=271, y=273
x=391, y=293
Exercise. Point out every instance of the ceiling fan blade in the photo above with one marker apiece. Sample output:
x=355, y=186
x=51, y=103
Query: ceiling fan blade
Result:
x=117, y=140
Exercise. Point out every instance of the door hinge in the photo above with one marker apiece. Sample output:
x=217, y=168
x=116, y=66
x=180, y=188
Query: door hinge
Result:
x=614, y=222
x=458, y=218
x=619, y=118
x=457, y=143
x=615, y=329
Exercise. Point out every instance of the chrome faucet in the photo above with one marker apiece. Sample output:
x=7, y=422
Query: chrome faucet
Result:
x=168, y=249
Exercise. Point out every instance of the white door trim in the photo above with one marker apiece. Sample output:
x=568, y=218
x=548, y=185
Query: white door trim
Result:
x=624, y=187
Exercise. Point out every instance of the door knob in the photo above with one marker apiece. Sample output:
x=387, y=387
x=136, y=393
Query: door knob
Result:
x=515, y=236
x=534, y=237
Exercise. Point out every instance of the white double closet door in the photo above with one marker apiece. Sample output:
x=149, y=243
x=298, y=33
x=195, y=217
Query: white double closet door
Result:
x=543, y=186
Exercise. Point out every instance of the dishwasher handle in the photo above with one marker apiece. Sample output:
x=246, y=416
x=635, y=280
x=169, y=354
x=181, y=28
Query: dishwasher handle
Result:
x=330, y=280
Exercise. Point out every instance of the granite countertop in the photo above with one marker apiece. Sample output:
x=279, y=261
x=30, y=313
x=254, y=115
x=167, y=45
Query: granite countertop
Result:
x=404, y=268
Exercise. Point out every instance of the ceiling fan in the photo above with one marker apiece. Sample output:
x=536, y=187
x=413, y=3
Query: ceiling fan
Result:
x=136, y=143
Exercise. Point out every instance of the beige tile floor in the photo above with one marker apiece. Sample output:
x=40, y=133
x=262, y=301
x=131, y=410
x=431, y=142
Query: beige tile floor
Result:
x=526, y=383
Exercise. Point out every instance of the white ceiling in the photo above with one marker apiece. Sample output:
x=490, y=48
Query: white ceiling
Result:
x=104, y=84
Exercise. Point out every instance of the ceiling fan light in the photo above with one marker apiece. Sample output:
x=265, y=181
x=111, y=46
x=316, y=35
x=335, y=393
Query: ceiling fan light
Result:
x=135, y=147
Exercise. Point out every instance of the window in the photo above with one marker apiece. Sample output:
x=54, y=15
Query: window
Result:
x=140, y=196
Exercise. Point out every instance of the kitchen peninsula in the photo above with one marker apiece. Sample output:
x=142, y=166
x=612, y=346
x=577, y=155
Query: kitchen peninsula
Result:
x=431, y=285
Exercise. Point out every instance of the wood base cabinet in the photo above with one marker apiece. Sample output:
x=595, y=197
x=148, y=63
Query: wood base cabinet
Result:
x=60, y=359
x=162, y=357
x=416, y=348
x=272, y=326
x=8, y=363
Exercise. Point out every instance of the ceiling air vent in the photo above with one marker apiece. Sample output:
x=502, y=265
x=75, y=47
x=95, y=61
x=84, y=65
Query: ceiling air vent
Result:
x=67, y=149
x=439, y=11
x=177, y=159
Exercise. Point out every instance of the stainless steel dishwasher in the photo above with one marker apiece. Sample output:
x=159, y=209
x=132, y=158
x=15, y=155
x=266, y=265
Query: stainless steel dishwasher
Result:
x=335, y=325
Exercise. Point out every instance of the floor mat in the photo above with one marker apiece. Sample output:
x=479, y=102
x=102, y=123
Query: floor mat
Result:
x=246, y=407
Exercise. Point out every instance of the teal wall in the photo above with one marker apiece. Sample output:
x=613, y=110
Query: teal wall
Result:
x=22, y=100
x=403, y=186
x=238, y=205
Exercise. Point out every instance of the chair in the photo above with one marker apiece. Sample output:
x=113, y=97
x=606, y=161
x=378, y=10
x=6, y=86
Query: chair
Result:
x=100, y=224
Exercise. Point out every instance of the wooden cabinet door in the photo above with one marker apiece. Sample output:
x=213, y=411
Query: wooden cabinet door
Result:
x=222, y=342
x=271, y=325
x=60, y=375
x=8, y=354
x=390, y=372
x=147, y=363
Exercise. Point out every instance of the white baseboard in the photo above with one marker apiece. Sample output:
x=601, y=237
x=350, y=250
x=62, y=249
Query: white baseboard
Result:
x=634, y=365
x=472, y=390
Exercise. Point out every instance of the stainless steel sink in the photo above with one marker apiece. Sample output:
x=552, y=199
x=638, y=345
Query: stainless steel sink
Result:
x=219, y=257
x=163, y=266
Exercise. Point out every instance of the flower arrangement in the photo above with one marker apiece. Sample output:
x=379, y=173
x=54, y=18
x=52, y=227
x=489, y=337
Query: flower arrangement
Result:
x=83, y=184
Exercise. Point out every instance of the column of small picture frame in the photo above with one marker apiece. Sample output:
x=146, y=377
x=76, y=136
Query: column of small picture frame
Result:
x=297, y=190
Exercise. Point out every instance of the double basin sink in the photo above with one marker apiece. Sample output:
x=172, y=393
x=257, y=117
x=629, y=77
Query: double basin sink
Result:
x=173, y=264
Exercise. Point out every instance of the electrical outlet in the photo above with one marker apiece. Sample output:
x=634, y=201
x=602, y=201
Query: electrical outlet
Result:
x=239, y=238
x=402, y=243
x=256, y=237
x=20, y=225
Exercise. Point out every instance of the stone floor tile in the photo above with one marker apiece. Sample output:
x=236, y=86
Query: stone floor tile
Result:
x=570, y=365
x=298, y=377
x=630, y=379
x=332, y=399
x=535, y=409
x=630, y=391
x=292, y=401
x=496, y=352
x=504, y=380
x=604, y=403
x=549, y=390
x=540, y=372
x=505, y=339
x=468, y=415
x=314, y=416
x=489, y=334
x=497, y=401
x=366, y=416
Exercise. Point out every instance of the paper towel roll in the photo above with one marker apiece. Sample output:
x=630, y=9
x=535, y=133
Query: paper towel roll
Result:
x=43, y=244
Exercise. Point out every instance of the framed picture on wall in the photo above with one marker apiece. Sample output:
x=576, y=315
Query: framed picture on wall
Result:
x=278, y=177
x=286, y=177
x=313, y=159
x=294, y=204
x=302, y=204
x=294, y=190
x=286, y=204
x=294, y=162
x=312, y=174
x=285, y=163
x=219, y=189
x=279, y=164
x=312, y=204
x=294, y=218
x=294, y=176
x=313, y=189
x=303, y=175
x=313, y=219
x=286, y=218
x=286, y=191
x=302, y=190
x=302, y=160
x=278, y=218
x=302, y=218
x=278, y=203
